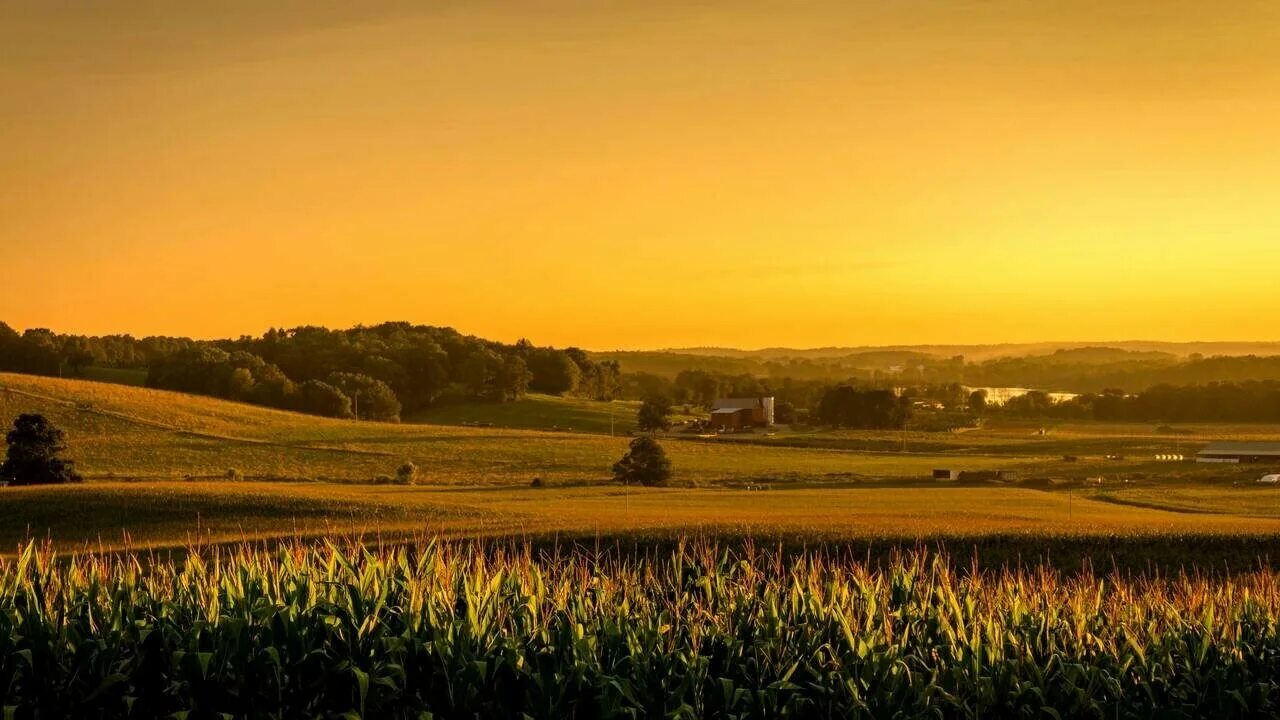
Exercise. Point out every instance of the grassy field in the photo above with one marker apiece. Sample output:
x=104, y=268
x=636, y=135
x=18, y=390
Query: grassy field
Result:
x=1246, y=500
x=1002, y=436
x=537, y=412
x=116, y=431
x=156, y=462
x=170, y=513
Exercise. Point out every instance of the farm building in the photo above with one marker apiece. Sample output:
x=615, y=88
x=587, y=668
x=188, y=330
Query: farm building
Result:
x=1240, y=452
x=943, y=475
x=741, y=413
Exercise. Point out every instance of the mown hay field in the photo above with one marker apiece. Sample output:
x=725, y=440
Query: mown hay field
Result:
x=1246, y=500
x=1007, y=436
x=537, y=412
x=158, y=465
x=127, y=432
x=169, y=513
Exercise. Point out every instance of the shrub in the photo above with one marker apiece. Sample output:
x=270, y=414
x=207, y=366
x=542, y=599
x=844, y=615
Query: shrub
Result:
x=537, y=482
x=406, y=473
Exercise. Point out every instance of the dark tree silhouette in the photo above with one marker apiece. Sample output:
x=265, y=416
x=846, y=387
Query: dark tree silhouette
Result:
x=479, y=374
x=34, y=446
x=845, y=406
x=321, y=398
x=784, y=413
x=645, y=462
x=654, y=413
x=978, y=401
x=553, y=371
x=513, y=378
x=418, y=363
x=370, y=399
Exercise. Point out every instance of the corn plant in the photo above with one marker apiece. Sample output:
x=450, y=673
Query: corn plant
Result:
x=336, y=629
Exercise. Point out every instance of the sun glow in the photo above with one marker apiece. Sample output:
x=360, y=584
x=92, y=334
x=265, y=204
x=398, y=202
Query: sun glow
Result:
x=643, y=175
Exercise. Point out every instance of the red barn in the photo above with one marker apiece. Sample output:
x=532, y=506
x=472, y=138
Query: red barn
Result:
x=742, y=413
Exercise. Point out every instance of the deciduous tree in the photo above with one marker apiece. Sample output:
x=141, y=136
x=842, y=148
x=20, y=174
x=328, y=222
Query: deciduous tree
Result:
x=645, y=463
x=654, y=414
x=32, y=458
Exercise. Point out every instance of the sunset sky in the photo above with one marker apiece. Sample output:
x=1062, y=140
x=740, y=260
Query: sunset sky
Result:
x=645, y=174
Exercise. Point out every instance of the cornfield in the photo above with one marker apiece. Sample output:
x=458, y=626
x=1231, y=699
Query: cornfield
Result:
x=338, y=629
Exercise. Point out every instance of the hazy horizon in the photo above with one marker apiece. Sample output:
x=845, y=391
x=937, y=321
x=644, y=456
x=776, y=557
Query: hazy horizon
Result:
x=1187, y=345
x=615, y=175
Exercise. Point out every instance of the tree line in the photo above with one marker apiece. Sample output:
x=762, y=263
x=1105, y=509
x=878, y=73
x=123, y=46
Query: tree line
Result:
x=851, y=403
x=1250, y=401
x=1081, y=370
x=372, y=373
x=382, y=371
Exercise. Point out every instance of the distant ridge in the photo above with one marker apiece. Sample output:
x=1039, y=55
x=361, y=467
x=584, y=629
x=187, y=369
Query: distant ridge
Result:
x=978, y=352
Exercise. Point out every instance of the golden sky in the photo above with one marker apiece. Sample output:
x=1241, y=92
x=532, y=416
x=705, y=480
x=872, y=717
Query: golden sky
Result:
x=645, y=174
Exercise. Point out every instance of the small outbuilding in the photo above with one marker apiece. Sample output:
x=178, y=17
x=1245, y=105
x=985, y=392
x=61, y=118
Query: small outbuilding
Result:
x=944, y=475
x=988, y=476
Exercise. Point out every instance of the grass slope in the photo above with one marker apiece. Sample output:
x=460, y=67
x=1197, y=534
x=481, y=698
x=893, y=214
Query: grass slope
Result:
x=128, y=432
x=475, y=481
x=536, y=412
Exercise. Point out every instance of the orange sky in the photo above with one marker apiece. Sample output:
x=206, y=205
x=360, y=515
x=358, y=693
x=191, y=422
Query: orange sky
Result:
x=645, y=174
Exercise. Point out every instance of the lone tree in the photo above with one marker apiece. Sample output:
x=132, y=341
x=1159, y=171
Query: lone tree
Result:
x=654, y=414
x=645, y=462
x=34, y=445
x=978, y=401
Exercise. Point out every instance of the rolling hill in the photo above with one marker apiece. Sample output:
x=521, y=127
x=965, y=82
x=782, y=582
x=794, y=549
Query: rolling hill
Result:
x=157, y=467
x=978, y=353
x=536, y=412
x=118, y=431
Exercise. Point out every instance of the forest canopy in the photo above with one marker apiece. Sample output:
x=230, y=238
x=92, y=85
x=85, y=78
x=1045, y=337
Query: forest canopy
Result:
x=384, y=371
x=374, y=373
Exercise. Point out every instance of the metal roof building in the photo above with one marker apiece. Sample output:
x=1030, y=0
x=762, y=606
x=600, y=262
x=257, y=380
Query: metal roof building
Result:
x=740, y=411
x=1240, y=452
